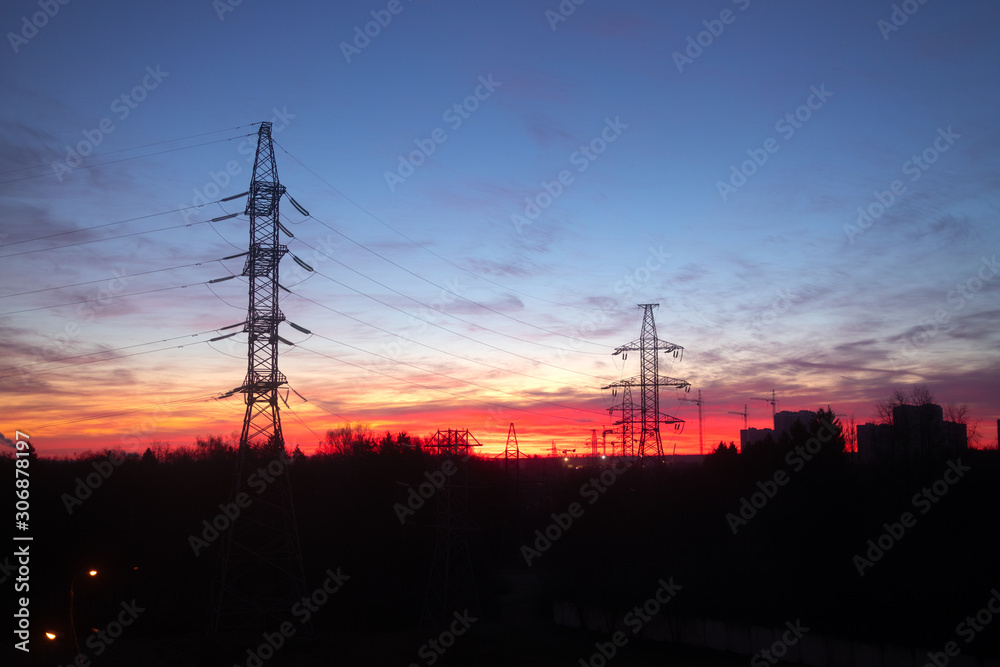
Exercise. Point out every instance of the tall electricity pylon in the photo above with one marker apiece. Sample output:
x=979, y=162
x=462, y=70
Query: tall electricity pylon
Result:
x=512, y=453
x=701, y=430
x=451, y=586
x=649, y=383
x=260, y=573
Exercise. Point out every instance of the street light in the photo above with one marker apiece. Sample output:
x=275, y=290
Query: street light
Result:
x=72, y=621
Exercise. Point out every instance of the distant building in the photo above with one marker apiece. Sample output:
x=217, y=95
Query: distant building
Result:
x=874, y=441
x=917, y=431
x=784, y=420
x=753, y=436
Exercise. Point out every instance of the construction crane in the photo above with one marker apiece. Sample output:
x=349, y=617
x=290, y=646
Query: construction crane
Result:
x=746, y=415
x=604, y=441
x=773, y=401
x=701, y=431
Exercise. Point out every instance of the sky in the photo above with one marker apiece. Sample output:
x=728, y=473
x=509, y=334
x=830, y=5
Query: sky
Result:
x=807, y=190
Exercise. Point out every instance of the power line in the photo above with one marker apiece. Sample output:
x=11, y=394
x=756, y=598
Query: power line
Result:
x=445, y=289
x=122, y=150
x=451, y=377
x=417, y=301
x=443, y=391
x=135, y=157
x=109, y=238
x=77, y=420
x=435, y=349
x=423, y=247
x=110, y=296
x=100, y=280
x=455, y=333
x=93, y=361
x=116, y=222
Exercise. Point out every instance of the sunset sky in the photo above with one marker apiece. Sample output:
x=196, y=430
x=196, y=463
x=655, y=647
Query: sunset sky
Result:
x=808, y=190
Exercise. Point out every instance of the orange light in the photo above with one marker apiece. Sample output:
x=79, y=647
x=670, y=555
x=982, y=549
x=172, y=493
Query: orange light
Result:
x=93, y=573
x=50, y=635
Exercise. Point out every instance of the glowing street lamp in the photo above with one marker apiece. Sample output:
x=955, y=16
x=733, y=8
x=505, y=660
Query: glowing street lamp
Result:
x=50, y=635
x=72, y=621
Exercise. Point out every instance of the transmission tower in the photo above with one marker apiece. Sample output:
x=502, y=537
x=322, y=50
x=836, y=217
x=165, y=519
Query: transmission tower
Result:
x=452, y=585
x=627, y=409
x=701, y=430
x=512, y=453
x=260, y=573
x=649, y=383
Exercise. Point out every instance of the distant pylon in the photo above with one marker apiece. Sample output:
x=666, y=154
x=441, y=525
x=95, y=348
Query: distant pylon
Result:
x=512, y=453
x=451, y=586
x=649, y=383
x=260, y=573
x=701, y=431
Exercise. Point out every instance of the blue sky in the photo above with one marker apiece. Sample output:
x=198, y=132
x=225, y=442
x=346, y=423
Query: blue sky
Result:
x=766, y=277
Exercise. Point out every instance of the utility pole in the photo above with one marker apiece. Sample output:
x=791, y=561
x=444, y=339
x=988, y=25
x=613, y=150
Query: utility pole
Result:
x=260, y=573
x=649, y=382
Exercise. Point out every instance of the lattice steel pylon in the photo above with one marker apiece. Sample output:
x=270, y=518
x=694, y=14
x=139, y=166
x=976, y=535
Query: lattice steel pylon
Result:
x=451, y=586
x=260, y=574
x=512, y=453
x=648, y=421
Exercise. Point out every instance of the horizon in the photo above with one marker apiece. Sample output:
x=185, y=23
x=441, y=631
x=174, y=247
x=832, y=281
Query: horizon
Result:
x=817, y=219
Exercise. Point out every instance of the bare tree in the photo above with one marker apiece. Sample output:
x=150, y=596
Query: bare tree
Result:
x=959, y=414
x=851, y=435
x=348, y=438
x=917, y=395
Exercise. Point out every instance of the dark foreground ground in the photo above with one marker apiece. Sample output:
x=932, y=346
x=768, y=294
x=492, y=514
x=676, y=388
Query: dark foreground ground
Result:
x=794, y=557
